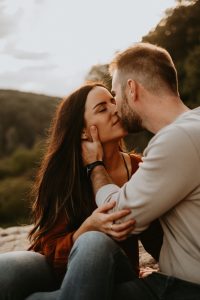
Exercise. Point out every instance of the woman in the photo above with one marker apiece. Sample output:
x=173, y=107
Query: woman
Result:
x=65, y=206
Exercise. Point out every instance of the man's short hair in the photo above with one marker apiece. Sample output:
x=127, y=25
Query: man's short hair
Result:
x=150, y=65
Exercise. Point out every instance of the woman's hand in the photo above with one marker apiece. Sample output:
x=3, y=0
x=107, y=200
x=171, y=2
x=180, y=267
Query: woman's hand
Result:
x=101, y=220
x=92, y=150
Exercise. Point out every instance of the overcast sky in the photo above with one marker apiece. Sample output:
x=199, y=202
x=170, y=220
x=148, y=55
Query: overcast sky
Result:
x=48, y=46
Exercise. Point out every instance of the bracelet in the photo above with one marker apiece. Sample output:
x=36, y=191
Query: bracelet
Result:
x=91, y=166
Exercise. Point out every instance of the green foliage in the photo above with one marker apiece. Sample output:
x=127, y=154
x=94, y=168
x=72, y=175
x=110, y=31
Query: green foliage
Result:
x=16, y=173
x=22, y=161
x=192, y=77
x=24, y=121
x=14, y=203
x=179, y=33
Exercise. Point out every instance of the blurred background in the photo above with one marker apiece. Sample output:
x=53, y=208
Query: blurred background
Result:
x=48, y=48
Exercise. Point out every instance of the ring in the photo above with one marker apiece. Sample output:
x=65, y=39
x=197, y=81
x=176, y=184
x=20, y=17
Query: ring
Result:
x=111, y=226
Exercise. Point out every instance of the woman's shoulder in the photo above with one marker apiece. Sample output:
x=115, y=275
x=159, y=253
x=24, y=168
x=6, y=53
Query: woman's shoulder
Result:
x=135, y=160
x=135, y=156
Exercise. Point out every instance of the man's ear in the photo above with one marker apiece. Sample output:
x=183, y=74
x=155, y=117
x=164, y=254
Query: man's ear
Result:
x=84, y=135
x=132, y=89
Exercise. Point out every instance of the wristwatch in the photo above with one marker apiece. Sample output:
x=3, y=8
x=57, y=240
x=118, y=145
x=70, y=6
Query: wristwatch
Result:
x=91, y=166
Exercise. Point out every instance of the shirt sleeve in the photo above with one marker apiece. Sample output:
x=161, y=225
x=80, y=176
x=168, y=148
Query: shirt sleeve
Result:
x=163, y=179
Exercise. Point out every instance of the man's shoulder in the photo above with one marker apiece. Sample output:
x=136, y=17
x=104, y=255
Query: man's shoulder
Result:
x=168, y=134
x=177, y=137
x=188, y=119
x=187, y=126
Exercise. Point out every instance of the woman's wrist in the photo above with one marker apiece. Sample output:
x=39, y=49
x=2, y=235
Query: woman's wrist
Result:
x=90, y=167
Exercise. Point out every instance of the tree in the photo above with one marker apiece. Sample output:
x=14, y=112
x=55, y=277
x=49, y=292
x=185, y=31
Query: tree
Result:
x=179, y=33
x=100, y=73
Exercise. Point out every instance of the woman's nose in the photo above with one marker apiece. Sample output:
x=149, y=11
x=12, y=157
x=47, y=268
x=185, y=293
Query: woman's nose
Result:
x=113, y=108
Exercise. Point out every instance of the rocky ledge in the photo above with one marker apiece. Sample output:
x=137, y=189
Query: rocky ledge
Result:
x=15, y=238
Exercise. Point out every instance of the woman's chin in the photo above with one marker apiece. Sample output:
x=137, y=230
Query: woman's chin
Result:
x=112, y=140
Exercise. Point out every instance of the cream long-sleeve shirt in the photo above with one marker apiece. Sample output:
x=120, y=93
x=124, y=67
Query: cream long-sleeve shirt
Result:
x=167, y=186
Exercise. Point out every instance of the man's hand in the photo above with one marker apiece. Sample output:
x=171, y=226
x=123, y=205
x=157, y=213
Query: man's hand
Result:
x=92, y=150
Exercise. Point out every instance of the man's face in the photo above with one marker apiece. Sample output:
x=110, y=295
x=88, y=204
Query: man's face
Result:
x=131, y=121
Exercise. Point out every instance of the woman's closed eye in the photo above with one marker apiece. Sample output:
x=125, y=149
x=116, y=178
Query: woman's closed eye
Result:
x=102, y=109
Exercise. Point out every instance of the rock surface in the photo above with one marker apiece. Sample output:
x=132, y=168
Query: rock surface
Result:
x=15, y=238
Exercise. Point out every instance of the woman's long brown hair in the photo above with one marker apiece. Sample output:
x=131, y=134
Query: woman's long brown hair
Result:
x=61, y=183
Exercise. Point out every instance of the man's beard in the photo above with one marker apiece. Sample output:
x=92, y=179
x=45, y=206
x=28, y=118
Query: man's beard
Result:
x=131, y=121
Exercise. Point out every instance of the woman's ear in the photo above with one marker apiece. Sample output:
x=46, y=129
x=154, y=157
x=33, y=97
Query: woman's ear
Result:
x=84, y=135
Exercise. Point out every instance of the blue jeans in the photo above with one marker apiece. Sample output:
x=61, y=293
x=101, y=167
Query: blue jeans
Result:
x=99, y=270
x=23, y=273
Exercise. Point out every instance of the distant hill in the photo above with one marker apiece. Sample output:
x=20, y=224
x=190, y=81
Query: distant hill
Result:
x=24, y=122
x=24, y=118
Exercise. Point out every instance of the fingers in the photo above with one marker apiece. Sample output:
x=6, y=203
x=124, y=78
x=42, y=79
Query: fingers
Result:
x=106, y=207
x=106, y=222
x=92, y=149
x=120, y=236
x=94, y=133
x=123, y=227
x=121, y=231
x=118, y=214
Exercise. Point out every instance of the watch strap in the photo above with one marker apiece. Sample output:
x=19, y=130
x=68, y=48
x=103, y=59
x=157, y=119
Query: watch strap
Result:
x=91, y=166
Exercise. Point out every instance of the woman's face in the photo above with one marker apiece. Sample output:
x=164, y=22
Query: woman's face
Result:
x=100, y=110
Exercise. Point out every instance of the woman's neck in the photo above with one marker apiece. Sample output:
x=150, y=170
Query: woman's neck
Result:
x=117, y=166
x=112, y=156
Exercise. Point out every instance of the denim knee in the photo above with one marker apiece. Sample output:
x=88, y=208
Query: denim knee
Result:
x=94, y=243
x=22, y=273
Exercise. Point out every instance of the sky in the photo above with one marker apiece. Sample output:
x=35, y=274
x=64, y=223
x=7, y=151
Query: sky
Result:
x=49, y=46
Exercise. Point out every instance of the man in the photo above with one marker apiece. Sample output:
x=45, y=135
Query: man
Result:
x=166, y=185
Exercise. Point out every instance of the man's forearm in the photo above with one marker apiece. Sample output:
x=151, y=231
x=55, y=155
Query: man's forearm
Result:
x=99, y=178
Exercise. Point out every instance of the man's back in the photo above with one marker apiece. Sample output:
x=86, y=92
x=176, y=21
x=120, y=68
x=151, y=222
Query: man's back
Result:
x=180, y=254
x=167, y=186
